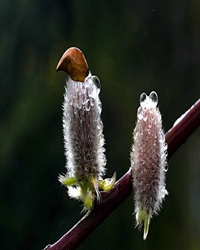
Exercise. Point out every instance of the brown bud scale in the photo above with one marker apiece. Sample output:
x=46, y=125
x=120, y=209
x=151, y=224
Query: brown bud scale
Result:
x=73, y=62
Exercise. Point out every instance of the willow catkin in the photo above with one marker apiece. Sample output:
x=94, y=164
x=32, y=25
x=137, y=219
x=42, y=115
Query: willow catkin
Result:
x=148, y=161
x=83, y=131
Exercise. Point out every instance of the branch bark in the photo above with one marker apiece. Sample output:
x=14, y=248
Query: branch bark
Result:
x=175, y=137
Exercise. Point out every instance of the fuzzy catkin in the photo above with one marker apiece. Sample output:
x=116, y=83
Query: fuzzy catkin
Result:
x=148, y=161
x=83, y=132
x=82, y=128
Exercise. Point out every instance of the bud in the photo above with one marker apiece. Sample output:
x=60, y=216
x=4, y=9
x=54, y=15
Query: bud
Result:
x=83, y=136
x=148, y=161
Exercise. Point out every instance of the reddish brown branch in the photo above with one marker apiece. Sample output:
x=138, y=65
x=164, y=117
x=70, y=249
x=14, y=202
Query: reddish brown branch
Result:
x=176, y=136
x=183, y=128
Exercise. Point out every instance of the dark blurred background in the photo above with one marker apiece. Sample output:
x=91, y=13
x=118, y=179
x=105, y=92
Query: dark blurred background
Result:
x=133, y=47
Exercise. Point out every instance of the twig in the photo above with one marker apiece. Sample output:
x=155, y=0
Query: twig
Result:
x=175, y=137
x=183, y=128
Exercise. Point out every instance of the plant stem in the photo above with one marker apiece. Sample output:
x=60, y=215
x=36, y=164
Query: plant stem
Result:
x=175, y=137
x=183, y=128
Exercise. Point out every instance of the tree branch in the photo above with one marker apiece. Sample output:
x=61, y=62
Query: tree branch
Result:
x=175, y=137
x=183, y=128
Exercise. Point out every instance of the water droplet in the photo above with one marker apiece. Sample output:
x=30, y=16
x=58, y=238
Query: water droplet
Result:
x=87, y=105
x=83, y=100
x=99, y=124
x=100, y=106
x=154, y=97
x=104, y=160
x=92, y=101
x=83, y=88
x=69, y=118
x=166, y=168
x=75, y=110
x=141, y=133
x=140, y=116
x=90, y=91
x=74, y=96
x=145, y=118
x=143, y=97
x=96, y=81
x=79, y=105
x=77, y=102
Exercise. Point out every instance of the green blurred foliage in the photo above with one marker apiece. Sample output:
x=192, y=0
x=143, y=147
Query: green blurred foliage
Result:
x=132, y=46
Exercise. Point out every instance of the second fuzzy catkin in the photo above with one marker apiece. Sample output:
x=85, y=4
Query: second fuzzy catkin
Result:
x=148, y=161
